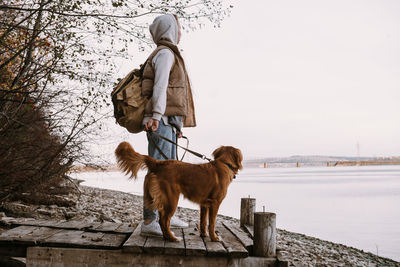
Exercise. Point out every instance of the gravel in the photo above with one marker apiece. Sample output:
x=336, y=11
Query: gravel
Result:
x=94, y=204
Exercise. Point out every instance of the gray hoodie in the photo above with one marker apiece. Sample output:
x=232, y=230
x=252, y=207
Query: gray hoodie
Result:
x=163, y=27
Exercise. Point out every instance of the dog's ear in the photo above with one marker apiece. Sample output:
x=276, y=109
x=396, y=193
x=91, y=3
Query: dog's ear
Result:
x=238, y=157
x=218, y=152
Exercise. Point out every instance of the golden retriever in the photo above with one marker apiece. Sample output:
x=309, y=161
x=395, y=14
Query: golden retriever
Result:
x=205, y=184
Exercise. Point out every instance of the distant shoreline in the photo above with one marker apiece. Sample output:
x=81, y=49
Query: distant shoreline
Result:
x=112, y=168
x=366, y=163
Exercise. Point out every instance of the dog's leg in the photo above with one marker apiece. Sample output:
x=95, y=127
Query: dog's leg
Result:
x=212, y=218
x=165, y=217
x=203, y=220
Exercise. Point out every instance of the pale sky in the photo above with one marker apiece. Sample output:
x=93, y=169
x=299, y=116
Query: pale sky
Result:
x=283, y=78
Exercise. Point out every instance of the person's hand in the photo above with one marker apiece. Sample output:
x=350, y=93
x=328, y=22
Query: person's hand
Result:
x=180, y=134
x=151, y=125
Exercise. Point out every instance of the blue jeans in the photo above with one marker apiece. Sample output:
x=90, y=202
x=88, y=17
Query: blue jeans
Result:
x=167, y=148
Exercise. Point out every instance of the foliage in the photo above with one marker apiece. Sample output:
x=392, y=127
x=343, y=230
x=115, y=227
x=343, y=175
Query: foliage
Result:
x=57, y=68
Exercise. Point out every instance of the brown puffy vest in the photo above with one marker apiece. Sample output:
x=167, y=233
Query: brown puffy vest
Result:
x=179, y=92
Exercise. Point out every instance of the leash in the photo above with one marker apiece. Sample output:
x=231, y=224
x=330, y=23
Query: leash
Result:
x=149, y=134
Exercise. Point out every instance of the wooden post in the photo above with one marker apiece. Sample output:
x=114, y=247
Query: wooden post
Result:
x=264, y=234
x=247, y=209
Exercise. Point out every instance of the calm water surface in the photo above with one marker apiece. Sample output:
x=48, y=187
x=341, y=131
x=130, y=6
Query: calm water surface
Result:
x=356, y=206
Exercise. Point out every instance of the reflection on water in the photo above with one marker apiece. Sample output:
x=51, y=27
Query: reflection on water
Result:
x=357, y=206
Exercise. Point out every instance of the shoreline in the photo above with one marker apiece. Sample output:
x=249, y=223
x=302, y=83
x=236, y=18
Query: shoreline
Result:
x=95, y=204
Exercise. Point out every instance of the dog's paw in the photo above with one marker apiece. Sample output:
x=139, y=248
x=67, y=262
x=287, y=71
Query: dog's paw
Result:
x=214, y=238
x=174, y=239
x=203, y=234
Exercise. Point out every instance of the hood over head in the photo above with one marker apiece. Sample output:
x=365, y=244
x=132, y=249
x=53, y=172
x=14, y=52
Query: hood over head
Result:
x=164, y=27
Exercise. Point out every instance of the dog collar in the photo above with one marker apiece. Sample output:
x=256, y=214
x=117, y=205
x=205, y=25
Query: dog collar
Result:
x=232, y=169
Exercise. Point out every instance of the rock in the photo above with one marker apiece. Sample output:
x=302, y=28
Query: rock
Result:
x=70, y=214
x=46, y=212
x=7, y=220
x=116, y=220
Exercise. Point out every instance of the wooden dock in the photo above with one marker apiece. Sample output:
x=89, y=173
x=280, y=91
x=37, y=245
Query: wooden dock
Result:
x=77, y=243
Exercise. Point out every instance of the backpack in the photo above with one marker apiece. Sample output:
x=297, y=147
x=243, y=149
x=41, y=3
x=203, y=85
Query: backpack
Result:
x=129, y=102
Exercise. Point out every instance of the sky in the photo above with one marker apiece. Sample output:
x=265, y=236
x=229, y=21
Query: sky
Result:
x=282, y=78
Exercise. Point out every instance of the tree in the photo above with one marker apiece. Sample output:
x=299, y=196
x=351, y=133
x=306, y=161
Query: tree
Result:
x=57, y=68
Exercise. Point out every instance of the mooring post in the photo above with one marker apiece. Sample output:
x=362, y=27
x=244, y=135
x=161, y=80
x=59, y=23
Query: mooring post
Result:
x=264, y=234
x=247, y=209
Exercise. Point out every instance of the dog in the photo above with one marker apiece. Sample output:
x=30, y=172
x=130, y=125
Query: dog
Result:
x=205, y=184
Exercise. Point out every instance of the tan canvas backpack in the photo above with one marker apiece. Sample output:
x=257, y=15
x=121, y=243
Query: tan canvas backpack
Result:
x=129, y=102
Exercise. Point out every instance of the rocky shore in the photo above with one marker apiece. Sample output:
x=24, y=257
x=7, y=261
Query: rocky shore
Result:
x=94, y=204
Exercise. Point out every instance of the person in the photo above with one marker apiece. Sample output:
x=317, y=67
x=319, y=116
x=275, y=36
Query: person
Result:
x=171, y=107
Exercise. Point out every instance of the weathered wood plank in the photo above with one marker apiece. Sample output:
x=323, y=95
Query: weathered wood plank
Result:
x=125, y=228
x=175, y=248
x=76, y=238
x=154, y=245
x=36, y=222
x=214, y=249
x=77, y=225
x=242, y=236
x=16, y=233
x=249, y=229
x=135, y=242
x=46, y=257
x=107, y=227
x=91, y=226
x=194, y=243
x=112, y=240
x=39, y=234
x=231, y=243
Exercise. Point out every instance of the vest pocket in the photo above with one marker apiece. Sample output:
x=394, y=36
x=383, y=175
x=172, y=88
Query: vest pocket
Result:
x=176, y=101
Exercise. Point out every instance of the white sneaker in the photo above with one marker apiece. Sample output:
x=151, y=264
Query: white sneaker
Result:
x=151, y=229
x=178, y=223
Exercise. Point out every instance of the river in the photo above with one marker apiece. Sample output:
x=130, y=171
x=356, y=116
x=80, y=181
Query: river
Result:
x=357, y=206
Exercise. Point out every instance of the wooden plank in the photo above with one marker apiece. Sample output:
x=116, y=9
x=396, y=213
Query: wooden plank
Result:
x=154, y=245
x=76, y=238
x=193, y=242
x=231, y=243
x=112, y=240
x=39, y=234
x=125, y=228
x=214, y=249
x=77, y=225
x=175, y=248
x=249, y=229
x=91, y=226
x=135, y=242
x=36, y=222
x=16, y=233
x=107, y=227
x=46, y=257
x=13, y=221
x=243, y=237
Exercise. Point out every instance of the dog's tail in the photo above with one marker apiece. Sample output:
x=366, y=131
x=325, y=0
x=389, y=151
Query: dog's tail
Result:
x=130, y=161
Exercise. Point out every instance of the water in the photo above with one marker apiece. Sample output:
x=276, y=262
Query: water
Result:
x=356, y=206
